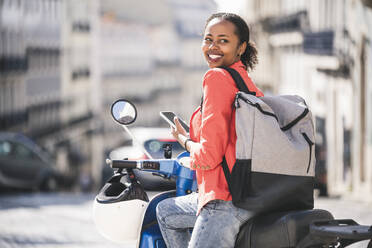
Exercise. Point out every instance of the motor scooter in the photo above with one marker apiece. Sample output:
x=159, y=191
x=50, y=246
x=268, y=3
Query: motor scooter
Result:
x=123, y=212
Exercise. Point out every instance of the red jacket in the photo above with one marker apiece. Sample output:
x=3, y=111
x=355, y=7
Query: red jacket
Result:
x=213, y=129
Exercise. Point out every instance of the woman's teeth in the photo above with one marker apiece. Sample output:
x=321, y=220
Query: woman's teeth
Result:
x=212, y=56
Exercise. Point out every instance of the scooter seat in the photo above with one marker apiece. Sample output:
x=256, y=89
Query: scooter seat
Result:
x=282, y=229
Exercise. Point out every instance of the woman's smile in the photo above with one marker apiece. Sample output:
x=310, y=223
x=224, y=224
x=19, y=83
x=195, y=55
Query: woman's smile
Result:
x=214, y=58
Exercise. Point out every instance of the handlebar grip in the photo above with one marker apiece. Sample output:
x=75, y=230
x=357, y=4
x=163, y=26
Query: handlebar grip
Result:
x=123, y=164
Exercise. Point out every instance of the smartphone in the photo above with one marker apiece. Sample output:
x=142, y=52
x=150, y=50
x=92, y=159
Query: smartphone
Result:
x=168, y=116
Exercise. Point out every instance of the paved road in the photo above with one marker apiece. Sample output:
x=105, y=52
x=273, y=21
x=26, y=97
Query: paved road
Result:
x=49, y=221
x=64, y=220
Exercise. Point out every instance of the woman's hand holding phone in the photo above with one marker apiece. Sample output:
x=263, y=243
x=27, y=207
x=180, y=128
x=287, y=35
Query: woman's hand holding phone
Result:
x=179, y=130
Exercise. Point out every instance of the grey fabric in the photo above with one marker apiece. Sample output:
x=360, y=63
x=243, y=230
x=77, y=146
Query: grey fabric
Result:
x=260, y=138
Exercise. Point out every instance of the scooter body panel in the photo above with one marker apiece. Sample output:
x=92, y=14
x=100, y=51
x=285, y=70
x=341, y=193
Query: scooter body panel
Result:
x=186, y=183
x=152, y=238
x=150, y=234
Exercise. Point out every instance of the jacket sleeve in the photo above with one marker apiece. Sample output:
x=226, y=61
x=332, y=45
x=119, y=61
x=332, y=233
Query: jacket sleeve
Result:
x=219, y=94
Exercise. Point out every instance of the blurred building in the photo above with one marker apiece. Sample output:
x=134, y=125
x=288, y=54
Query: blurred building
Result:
x=30, y=66
x=63, y=62
x=321, y=50
x=82, y=148
x=151, y=56
x=45, y=83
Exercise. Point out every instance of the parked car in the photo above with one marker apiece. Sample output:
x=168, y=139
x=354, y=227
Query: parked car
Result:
x=24, y=165
x=151, y=140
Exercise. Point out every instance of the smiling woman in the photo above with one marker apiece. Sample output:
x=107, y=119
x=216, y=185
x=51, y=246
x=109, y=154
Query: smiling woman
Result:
x=215, y=220
x=221, y=46
x=226, y=41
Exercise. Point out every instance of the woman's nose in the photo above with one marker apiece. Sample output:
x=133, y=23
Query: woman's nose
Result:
x=213, y=44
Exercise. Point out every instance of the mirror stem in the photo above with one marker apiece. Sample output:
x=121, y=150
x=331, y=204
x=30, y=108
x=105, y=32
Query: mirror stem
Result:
x=136, y=141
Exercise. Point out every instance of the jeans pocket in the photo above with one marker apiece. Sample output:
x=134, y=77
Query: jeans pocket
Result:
x=219, y=205
x=211, y=205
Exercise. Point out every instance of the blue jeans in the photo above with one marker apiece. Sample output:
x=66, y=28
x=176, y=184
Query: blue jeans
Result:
x=217, y=225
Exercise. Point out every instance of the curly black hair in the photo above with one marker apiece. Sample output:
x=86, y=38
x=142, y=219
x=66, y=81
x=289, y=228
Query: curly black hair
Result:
x=249, y=57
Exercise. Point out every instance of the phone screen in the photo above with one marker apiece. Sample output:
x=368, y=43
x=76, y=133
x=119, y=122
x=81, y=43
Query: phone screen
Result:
x=169, y=117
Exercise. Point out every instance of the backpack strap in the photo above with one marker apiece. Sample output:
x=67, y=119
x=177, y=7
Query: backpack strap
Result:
x=226, y=171
x=240, y=84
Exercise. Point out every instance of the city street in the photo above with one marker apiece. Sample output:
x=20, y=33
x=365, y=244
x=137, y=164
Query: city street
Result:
x=49, y=221
x=64, y=220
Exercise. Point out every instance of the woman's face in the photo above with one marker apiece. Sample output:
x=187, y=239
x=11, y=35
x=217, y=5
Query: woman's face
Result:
x=221, y=46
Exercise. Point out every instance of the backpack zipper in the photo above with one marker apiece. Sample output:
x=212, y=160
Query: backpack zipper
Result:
x=310, y=143
x=256, y=105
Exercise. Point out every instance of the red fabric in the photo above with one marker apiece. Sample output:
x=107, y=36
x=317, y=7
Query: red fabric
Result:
x=213, y=129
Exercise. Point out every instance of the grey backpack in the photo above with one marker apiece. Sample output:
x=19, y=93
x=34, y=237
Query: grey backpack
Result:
x=275, y=160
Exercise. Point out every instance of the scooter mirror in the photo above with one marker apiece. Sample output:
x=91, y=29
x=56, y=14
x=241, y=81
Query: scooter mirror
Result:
x=123, y=112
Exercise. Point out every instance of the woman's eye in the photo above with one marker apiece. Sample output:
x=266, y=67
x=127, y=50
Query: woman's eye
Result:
x=224, y=41
x=208, y=39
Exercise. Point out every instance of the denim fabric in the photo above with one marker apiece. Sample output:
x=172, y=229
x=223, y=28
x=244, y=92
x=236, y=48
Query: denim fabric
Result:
x=217, y=225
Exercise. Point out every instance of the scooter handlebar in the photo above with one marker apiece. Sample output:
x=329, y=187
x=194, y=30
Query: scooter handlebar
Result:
x=122, y=164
